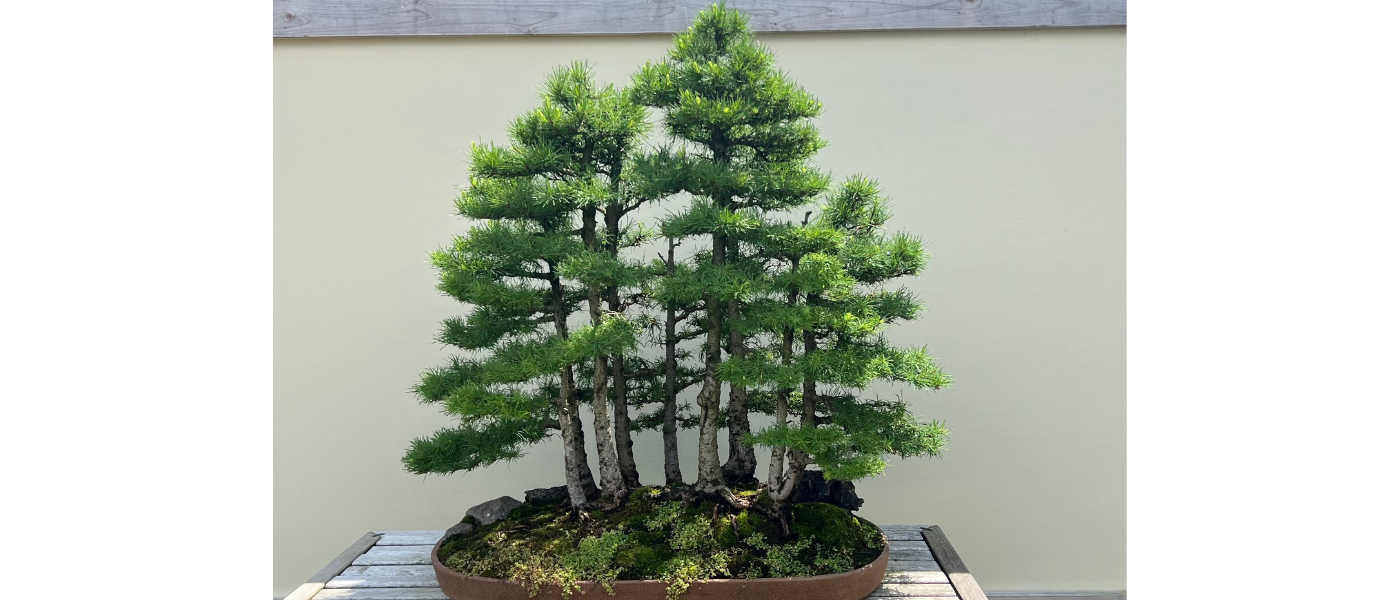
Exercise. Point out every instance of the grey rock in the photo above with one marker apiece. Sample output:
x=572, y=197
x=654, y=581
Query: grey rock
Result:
x=547, y=495
x=459, y=530
x=843, y=494
x=814, y=487
x=491, y=511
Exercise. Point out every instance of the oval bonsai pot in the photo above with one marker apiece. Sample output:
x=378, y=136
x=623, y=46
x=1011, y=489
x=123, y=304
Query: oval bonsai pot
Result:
x=851, y=585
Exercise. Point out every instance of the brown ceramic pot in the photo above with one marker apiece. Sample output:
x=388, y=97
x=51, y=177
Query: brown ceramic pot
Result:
x=851, y=585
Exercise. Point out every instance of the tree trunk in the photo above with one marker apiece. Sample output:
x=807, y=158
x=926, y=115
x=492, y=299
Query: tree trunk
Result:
x=711, y=476
x=622, y=420
x=741, y=464
x=668, y=407
x=610, y=476
x=776, y=466
x=798, y=460
x=567, y=407
x=622, y=426
x=580, y=443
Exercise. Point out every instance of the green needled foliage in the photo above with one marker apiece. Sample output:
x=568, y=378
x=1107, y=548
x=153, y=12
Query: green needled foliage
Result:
x=781, y=292
x=528, y=263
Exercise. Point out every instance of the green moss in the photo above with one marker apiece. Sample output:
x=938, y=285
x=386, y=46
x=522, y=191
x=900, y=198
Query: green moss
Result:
x=829, y=524
x=647, y=538
x=644, y=557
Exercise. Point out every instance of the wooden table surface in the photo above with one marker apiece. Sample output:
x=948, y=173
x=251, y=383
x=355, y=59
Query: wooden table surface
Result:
x=394, y=565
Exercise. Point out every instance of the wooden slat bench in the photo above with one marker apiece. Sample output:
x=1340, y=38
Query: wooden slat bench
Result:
x=394, y=565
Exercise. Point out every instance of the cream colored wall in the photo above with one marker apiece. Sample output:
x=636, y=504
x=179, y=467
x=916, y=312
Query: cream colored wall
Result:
x=1004, y=150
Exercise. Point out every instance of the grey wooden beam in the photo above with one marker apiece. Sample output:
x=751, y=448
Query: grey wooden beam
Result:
x=333, y=568
x=952, y=564
x=387, y=18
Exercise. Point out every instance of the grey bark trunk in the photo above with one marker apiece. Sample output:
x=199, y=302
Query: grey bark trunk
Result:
x=622, y=426
x=668, y=407
x=622, y=419
x=776, y=465
x=742, y=462
x=580, y=443
x=609, y=475
x=711, y=476
x=567, y=407
x=779, y=489
x=798, y=460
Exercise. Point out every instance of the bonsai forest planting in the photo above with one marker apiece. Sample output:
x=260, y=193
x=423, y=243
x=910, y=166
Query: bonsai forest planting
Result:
x=762, y=292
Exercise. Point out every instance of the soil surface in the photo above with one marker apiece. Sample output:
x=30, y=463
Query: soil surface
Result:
x=652, y=536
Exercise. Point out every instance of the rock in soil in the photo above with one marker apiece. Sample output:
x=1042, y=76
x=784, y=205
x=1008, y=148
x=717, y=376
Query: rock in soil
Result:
x=815, y=488
x=547, y=495
x=491, y=511
x=459, y=530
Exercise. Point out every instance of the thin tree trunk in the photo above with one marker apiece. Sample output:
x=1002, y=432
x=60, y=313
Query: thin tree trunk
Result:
x=622, y=426
x=609, y=474
x=668, y=410
x=622, y=420
x=567, y=407
x=585, y=473
x=798, y=460
x=809, y=383
x=741, y=464
x=711, y=476
x=778, y=490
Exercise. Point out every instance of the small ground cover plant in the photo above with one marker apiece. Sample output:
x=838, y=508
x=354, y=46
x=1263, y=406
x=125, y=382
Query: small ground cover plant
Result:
x=651, y=537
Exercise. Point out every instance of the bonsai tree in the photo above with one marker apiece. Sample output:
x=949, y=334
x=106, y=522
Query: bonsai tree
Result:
x=787, y=312
x=824, y=313
x=538, y=255
x=746, y=138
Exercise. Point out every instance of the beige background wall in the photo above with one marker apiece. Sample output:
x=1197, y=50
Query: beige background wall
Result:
x=1004, y=150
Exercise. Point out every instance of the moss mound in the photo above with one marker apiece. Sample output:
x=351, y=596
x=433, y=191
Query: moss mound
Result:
x=678, y=542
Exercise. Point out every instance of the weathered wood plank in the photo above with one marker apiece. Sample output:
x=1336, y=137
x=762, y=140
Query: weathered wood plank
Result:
x=913, y=565
x=356, y=18
x=410, y=538
x=360, y=581
x=903, y=533
x=381, y=594
x=395, y=555
x=902, y=554
x=916, y=577
x=390, y=570
x=953, y=565
x=914, y=590
x=318, y=581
